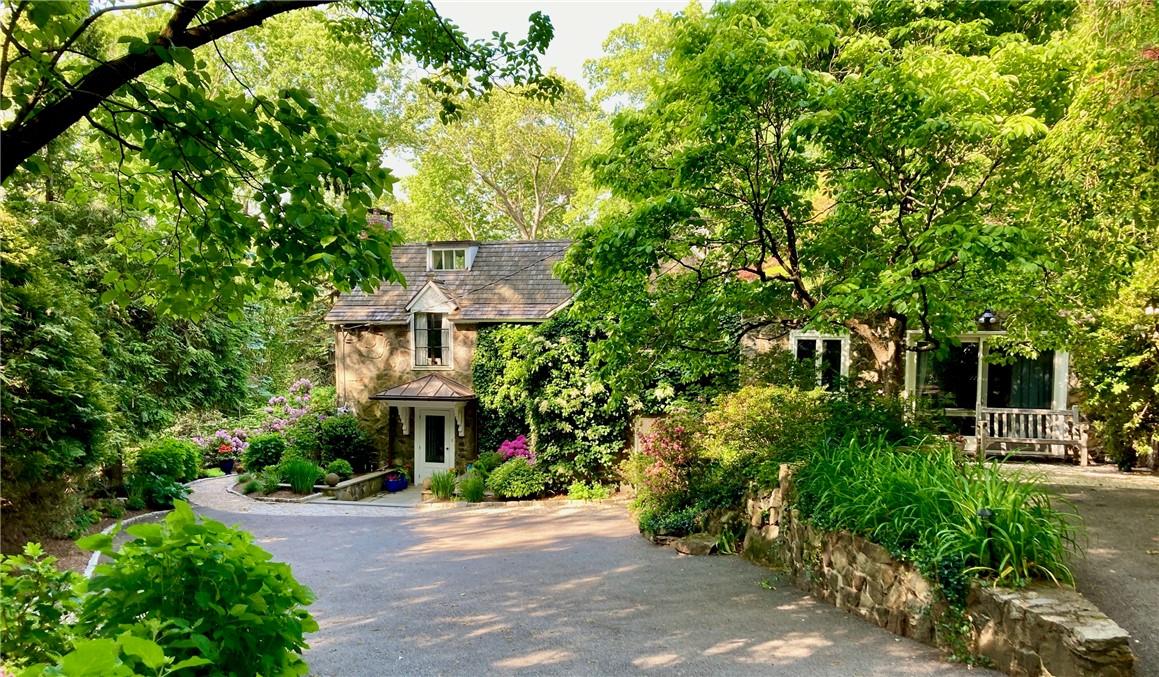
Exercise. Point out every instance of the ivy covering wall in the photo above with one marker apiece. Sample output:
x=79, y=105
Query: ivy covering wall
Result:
x=541, y=381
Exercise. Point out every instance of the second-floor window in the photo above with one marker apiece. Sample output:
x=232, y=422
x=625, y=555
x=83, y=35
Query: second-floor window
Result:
x=432, y=340
x=448, y=259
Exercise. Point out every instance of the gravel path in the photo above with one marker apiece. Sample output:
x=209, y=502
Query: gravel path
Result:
x=560, y=591
x=1120, y=571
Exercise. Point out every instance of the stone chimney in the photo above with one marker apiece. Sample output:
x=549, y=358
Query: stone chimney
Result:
x=380, y=217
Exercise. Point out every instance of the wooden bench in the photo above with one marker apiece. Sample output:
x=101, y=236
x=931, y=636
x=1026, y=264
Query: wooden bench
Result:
x=1034, y=427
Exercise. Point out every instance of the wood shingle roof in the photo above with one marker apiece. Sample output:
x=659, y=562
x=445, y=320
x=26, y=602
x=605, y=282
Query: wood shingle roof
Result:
x=508, y=281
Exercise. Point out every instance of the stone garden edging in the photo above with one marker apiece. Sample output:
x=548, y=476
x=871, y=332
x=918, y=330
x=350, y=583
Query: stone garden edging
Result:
x=274, y=499
x=1040, y=630
x=598, y=504
x=95, y=558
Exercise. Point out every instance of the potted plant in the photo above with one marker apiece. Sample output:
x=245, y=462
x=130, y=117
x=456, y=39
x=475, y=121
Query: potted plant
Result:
x=396, y=480
x=226, y=458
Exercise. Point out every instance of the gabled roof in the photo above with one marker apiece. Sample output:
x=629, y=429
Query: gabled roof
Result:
x=510, y=280
x=432, y=387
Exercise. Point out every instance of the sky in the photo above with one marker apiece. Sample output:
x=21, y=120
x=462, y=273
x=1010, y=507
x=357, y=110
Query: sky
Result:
x=580, y=25
x=580, y=29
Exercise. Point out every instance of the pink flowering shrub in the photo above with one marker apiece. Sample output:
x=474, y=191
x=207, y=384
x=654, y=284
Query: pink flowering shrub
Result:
x=664, y=469
x=223, y=445
x=516, y=448
x=670, y=455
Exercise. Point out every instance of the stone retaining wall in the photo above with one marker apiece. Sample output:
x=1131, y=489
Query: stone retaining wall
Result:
x=1042, y=630
x=356, y=488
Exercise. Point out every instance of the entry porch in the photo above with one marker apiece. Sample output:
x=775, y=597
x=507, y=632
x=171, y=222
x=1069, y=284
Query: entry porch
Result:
x=432, y=424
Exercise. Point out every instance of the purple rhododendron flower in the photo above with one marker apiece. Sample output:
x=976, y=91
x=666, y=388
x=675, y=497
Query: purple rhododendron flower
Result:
x=516, y=447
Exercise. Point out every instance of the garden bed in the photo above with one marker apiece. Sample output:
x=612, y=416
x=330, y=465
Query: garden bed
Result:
x=1040, y=629
x=69, y=556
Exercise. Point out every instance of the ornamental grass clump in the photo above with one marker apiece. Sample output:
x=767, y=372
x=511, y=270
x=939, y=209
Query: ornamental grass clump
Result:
x=472, y=487
x=443, y=484
x=926, y=506
x=301, y=475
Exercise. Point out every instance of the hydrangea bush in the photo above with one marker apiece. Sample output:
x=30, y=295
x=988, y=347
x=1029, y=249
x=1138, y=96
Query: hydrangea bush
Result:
x=285, y=410
x=295, y=418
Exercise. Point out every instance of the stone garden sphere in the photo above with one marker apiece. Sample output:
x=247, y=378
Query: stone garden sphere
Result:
x=332, y=479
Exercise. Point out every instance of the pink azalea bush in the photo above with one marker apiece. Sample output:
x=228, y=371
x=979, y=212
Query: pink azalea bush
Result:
x=667, y=456
x=516, y=448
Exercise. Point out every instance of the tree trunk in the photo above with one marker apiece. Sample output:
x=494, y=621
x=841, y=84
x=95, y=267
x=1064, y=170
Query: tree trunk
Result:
x=885, y=344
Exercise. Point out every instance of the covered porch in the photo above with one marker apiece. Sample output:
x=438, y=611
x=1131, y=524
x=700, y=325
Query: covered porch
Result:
x=1001, y=403
x=436, y=424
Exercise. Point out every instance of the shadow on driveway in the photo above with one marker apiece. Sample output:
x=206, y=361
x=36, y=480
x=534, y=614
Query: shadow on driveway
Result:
x=1120, y=569
x=564, y=592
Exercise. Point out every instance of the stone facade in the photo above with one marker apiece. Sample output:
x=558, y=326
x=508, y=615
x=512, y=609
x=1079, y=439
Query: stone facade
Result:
x=369, y=360
x=1042, y=630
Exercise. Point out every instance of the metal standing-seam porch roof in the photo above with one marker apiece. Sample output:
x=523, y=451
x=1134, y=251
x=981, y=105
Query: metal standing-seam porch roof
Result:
x=431, y=387
x=508, y=281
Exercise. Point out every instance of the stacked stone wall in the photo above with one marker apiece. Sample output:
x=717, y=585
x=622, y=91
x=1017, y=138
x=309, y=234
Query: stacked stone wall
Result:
x=1041, y=630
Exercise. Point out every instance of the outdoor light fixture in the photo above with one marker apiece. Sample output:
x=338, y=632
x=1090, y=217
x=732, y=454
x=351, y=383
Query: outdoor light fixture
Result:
x=985, y=514
x=987, y=319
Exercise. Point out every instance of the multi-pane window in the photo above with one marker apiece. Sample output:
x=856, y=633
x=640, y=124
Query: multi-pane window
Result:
x=950, y=378
x=448, y=259
x=826, y=353
x=432, y=340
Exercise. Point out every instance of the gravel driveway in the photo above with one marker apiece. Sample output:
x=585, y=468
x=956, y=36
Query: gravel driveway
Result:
x=1120, y=570
x=568, y=591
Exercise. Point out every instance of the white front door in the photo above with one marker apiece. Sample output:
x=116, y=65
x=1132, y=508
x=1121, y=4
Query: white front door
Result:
x=434, y=442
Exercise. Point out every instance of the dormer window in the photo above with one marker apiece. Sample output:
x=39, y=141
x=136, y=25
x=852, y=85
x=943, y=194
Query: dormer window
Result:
x=448, y=259
x=432, y=340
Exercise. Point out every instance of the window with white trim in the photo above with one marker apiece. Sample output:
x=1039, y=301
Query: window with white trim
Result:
x=828, y=353
x=448, y=259
x=432, y=340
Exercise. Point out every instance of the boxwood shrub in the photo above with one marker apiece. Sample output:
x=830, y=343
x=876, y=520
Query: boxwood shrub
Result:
x=343, y=437
x=263, y=451
x=169, y=458
x=517, y=479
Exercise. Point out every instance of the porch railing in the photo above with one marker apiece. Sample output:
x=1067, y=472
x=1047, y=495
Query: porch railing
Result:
x=1063, y=428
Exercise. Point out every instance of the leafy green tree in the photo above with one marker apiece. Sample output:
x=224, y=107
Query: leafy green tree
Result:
x=1090, y=188
x=508, y=167
x=245, y=190
x=54, y=408
x=822, y=165
x=1119, y=367
x=635, y=57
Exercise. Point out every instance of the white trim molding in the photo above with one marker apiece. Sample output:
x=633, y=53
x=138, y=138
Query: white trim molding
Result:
x=431, y=299
x=796, y=336
x=1060, y=375
x=448, y=347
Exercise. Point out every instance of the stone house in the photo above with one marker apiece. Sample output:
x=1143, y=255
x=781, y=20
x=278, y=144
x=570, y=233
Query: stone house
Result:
x=403, y=353
x=1003, y=403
